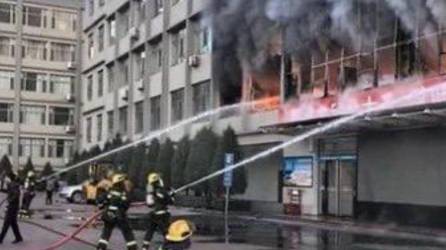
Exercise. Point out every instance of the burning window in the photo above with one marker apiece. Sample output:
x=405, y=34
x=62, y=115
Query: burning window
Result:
x=405, y=53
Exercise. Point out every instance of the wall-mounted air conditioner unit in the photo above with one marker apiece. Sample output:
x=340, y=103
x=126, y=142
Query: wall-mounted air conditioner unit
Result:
x=140, y=85
x=134, y=33
x=124, y=94
x=193, y=61
x=70, y=129
x=70, y=98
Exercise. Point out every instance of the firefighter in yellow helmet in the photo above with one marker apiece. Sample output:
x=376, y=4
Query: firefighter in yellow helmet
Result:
x=178, y=236
x=158, y=199
x=115, y=204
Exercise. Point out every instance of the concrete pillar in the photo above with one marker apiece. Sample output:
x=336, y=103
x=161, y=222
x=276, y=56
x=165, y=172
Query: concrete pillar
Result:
x=17, y=84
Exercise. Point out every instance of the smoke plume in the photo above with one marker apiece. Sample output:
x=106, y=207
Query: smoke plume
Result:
x=243, y=29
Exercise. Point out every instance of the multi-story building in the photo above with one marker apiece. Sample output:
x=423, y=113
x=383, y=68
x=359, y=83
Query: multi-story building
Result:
x=143, y=64
x=148, y=64
x=38, y=68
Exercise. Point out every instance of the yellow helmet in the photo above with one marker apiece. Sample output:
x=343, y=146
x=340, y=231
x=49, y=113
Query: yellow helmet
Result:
x=179, y=230
x=117, y=178
x=153, y=177
x=30, y=174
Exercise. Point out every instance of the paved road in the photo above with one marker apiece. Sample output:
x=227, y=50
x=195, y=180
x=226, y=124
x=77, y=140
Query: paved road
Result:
x=246, y=233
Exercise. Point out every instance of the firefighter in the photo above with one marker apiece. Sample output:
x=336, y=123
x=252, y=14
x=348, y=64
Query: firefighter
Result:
x=158, y=198
x=178, y=236
x=115, y=204
x=12, y=210
x=29, y=186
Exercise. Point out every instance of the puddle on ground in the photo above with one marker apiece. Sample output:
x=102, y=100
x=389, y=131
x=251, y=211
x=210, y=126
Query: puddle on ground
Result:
x=211, y=229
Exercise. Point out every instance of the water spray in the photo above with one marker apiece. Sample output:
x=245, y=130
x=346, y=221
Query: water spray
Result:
x=157, y=134
x=437, y=90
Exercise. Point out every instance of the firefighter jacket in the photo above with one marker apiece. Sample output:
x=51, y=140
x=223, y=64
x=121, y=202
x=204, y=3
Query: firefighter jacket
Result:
x=115, y=205
x=30, y=185
x=159, y=200
x=13, y=198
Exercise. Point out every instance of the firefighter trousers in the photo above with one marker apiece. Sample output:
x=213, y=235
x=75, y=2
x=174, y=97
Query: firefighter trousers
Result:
x=26, y=201
x=11, y=221
x=126, y=231
x=157, y=222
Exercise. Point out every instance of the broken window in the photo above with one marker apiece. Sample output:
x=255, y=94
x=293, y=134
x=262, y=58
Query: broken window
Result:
x=443, y=53
x=405, y=53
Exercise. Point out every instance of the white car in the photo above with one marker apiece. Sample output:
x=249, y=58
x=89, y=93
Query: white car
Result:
x=73, y=194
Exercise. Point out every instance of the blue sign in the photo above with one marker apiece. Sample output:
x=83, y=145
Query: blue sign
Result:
x=298, y=171
x=228, y=176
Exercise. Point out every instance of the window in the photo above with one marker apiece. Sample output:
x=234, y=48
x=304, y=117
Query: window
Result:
x=34, y=49
x=201, y=97
x=62, y=85
x=156, y=59
x=6, y=112
x=111, y=78
x=6, y=80
x=178, y=40
x=142, y=4
x=90, y=88
x=32, y=115
x=99, y=127
x=7, y=13
x=31, y=147
x=124, y=22
x=5, y=145
x=88, y=128
x=155, y=113
x=34, y=82
x=7, y=46
x=123, y=115
x=35, y=17
x=63, y=21
x=61, y=116
x=62, y=52
x=110, y=123
x=205, y=40
x=112, y=30
x=139, y=117
x=159, y=7
x=125, y=71
x=60, y=148
x=90, y=46
x=101, y=38
x=100, y=83
x=140, y=65
x=177, y=105
x=90, y=5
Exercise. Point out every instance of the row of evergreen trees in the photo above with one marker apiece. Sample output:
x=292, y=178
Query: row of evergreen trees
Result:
x=179, y=162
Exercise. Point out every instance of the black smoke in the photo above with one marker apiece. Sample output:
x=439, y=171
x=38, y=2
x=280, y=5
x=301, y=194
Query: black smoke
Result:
x=243, y=29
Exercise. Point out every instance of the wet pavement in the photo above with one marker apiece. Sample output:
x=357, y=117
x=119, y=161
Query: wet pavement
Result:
x=275, y=236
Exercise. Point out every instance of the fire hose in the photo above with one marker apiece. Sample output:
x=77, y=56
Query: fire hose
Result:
x=87, y=222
